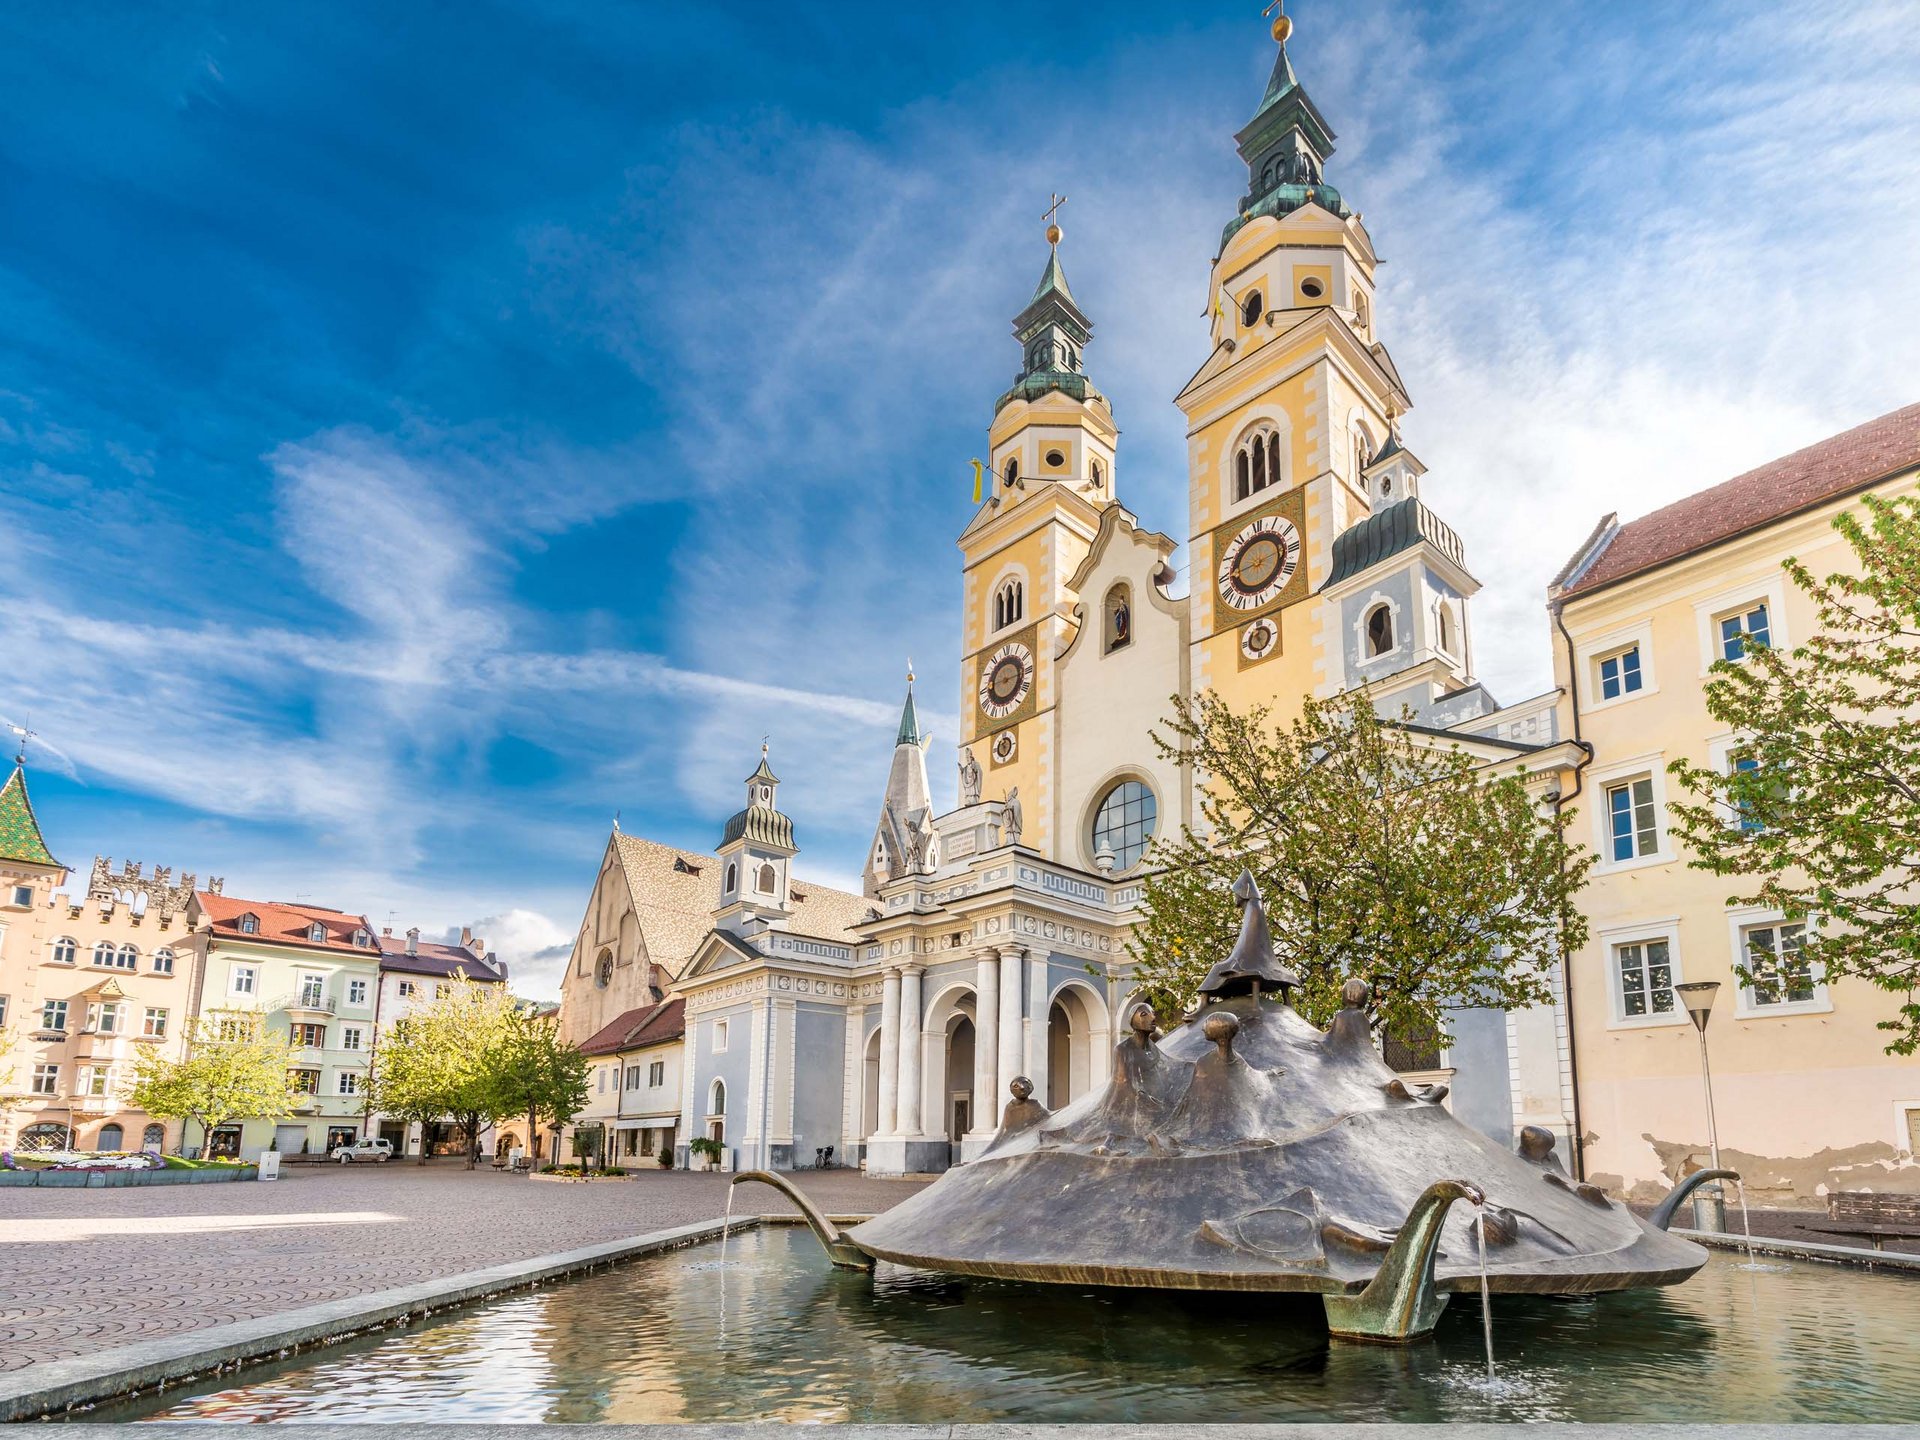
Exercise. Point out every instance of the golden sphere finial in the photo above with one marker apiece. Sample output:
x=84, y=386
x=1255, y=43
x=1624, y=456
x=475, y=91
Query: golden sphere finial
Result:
x=1282, y=28
x=1054, y=232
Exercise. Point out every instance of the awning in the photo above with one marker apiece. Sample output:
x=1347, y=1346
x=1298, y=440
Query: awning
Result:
x=655, y=1123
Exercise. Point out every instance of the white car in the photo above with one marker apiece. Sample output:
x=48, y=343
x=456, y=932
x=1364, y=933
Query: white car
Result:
x=365, y=1149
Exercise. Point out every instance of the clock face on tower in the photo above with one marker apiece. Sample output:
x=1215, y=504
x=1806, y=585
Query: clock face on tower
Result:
x=1258, y=562
x=1005, y=677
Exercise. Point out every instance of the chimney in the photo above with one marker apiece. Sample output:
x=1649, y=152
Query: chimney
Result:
x=466, y=935
x=501, y=966
x=479, y=947
x=387, y=931
x=413, y=941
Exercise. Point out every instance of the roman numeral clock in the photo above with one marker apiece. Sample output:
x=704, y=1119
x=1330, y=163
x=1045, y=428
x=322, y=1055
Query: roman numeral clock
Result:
x=1258, y=573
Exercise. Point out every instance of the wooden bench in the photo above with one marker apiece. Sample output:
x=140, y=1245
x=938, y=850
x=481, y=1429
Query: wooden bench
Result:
x=1877, y=1217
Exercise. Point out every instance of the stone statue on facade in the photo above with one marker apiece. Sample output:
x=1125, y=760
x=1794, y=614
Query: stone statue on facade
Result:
x=969, y=777
x=1012, y=822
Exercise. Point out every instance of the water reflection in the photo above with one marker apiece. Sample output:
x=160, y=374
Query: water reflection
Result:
x=803, y=1341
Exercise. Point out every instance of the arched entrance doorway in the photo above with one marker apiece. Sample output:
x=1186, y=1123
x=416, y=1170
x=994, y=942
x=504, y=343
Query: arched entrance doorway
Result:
x=1078, y=1042
x=870, y=1088
x=947, y=1105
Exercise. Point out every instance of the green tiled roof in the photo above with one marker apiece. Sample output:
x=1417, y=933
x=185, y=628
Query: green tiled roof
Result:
x=20, y=837
x=760, y=823
x=909, y=723
x=1387, y=533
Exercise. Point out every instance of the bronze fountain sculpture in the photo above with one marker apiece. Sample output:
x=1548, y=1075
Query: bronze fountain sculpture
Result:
x=1247, y=1150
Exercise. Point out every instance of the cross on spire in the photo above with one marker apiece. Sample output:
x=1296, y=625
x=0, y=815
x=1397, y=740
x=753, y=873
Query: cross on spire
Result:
x=1054, y=231
x=24, y=734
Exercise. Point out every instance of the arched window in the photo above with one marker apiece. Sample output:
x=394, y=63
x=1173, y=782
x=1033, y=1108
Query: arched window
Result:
x=1012, y=472
x=104, y=953
x=1123, y=823
x=163, y=961
x=112, y=1137
x=1099, y=476
x=64, y=950
x=1256, y=464
x=154, y=1138
x=1362, y=452
x=1250, y=308
x=1009, y=604
x=733, y=876
x=717, y=1098
x=1379, y=631
x=1444, y=618
x=47, y=1135
x=129, y=957
x=766, y=881
x=603, y=969
x=1361, y=311
x=1118, y=612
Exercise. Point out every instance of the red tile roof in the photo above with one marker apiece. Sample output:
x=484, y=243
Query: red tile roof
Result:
x=1840, y=465
x=284, y=923
x=434, y=959
x=648, y=1025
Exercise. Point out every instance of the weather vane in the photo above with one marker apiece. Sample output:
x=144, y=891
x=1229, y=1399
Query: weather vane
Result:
x=1054, y=231
x=20, y=755
x=1282, y=26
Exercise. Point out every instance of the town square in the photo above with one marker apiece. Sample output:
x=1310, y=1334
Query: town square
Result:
x=538, y=889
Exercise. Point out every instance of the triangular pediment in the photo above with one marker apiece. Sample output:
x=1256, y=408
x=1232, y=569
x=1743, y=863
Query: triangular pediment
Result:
x=720, y=951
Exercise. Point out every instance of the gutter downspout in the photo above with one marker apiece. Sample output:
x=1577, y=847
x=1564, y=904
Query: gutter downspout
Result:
x=1566, y=961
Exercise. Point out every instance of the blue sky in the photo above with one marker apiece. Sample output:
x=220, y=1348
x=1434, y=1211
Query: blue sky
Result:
x=428, y=430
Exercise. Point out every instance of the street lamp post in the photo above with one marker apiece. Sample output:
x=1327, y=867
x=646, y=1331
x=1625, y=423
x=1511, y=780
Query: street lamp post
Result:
x=1710, y=1201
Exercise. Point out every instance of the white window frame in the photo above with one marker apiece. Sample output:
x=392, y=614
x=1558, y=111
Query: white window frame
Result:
x=1738, y=923
x=167, y=954
x=153, y=1024
x=352, y=1037
x=720, y=1029
x=1279, y=420
x=1653, y=767
x=1665, y=929
x=356, y=992
x=656, y=1074
x=347, y=1082
x=1765, y=589
x=316, y=983
x=94, y=1082
x=1011, y=571
x=22, y=897
x=251, y=976
x=408, y=990
x=66, y=1014
x=1602, y=647
x=46, y=1079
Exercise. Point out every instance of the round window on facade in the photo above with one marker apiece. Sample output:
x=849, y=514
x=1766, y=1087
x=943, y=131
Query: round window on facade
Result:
x=1055, y=459
x=1312, y=288
x=1124, y=822
x=603, y=971
x=1250, y=309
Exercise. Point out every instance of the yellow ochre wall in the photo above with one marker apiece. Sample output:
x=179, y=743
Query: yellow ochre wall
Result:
x=1807, y=1102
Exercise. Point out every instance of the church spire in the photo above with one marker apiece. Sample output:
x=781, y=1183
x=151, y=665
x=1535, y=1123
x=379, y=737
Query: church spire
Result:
x=1053, y=332
x=910, y=733
x=1286, y=146
x=905, y=842
x=20, y=837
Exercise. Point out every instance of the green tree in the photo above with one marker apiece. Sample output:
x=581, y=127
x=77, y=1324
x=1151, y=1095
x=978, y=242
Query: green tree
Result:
x=234, y=1068
x=541, y=1074
x=446, y=1059
x=1380, y=854
x=1819, y=811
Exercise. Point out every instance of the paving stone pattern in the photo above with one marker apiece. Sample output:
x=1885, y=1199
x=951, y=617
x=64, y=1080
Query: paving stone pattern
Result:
x=84, y=1270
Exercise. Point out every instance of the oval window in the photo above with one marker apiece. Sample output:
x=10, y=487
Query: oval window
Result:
x=1250, y=309
x=1312, y=288
x=1055, y=459
x=1124, y=823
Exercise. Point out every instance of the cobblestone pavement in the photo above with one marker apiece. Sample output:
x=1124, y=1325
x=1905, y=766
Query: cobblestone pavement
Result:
x=83, y=1270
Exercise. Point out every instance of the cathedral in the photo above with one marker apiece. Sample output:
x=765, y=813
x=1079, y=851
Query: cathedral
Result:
x=885, y=1028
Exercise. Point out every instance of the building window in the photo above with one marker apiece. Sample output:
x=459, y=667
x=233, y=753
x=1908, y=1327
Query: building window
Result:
x=1123, y=823
x=1744, y=628
x=236, y=1027
x=1096, y=474
x=53, y=1015
x=243, y=979
x=1631, y=829
x=1250, y=308
x=249, y=924
x=104, y=1017
x=1009, y=604
x=96, y=1081
x=442, y=990
x=1748, y=822
x=154, y=1024
x=65, y=951
x=163, y=961
x=154, y=1138
x=356, y=992
x=1256, y=464
x=1361, y=313
x=349, y=1082
x=305, y=1082
x=766, y=881
x=733, y=877
x=310, y=1037
x=350, y=1037
x=105, y=955
x=656, y=1074
x=717, y=1098
x=1379, y=631
x=408, y=989
x=4, y=1006
x=312, y=990
x=633, y=1077
x=1118, y=623
x=719, y=1036
x=23, y=897
x=1644, y=973
x=1771, y=955
x=46, y=1079
x=1443, y=623
x=362, y=939
x=317, y=933
x=603, y=970
x=1620, y=673
x=129, y=958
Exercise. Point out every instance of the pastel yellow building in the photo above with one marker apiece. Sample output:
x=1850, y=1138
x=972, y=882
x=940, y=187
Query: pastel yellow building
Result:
x=1806, y=1097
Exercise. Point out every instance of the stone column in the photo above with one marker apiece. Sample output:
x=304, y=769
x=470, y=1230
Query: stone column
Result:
x=1038, y=1012
x=986, y=1043
x=910, y=1017
x=887, y=1121
x=1012, y=1041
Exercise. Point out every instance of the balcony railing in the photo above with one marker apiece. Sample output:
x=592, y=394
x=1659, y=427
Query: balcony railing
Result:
x=305, y=1000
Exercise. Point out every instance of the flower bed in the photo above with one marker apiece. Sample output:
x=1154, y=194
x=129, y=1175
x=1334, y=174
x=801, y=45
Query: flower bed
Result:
x=72, y=1169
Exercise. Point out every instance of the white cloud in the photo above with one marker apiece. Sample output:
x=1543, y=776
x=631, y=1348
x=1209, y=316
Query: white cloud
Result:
x=534, y=947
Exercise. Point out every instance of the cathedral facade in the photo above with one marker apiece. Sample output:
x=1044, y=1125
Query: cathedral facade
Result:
x=990, y=941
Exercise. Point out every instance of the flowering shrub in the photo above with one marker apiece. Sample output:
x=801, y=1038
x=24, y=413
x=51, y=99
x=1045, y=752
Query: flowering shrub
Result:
x=97, y=1160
